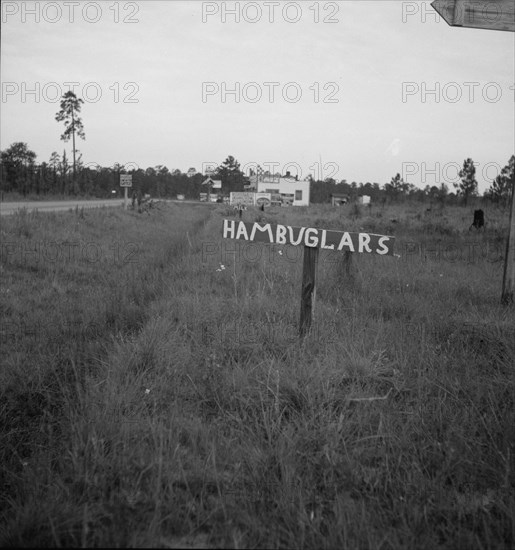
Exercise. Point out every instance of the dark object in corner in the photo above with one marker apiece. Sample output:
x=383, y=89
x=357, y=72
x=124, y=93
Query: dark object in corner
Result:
x=479, y=220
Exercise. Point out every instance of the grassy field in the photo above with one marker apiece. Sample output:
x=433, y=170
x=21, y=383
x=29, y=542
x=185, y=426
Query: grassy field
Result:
x=154, y=391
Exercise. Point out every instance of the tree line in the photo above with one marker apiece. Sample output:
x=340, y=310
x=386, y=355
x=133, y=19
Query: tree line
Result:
x=59, y=176
x=20, y=174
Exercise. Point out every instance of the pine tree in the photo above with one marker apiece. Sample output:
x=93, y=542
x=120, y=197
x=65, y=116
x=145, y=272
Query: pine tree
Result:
x=467, y=187
x=500, y=189
x=69, y=114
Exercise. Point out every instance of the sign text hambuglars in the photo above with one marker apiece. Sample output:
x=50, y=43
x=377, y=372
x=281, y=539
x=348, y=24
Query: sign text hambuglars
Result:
x=312, y=237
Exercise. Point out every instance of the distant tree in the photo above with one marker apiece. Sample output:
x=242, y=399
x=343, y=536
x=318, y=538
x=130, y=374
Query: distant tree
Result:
x=117, y=167
x=19, y=154
x=413, y=191
x=54, y=161
x=232, y=177
x=63, y=171
x=18, y=163
x=87, y=180
x=376, y=192
x=343, y=188
x=54, y=164
x=43, y=178
x=321, y=191
x=69, y=114
x=396, y=188
x=163, y=177
x=77, y=186
x=367, y=189
x=443, y=192
x=451, y=198
x=162, y=170
x=467, y=187
x=500, y=189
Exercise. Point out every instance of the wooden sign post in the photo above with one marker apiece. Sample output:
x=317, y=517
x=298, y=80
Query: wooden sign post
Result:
x=508, y=280
x=125, y=181
x=498, y=15
x=307, y=297
x=313, y=239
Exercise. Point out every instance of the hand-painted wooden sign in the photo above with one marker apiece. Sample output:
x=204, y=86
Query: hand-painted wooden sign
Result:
x=313, y=240
x=496, y=15
x=312, y=237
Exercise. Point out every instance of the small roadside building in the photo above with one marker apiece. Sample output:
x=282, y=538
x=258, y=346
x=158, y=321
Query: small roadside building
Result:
x=213, y=190
x=290, y=189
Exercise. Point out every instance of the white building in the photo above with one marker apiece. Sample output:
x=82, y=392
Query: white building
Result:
x=286, y=189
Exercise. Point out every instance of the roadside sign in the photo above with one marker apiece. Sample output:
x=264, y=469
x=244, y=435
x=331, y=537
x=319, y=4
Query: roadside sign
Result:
x=242, y=197
x=263, y=199
x=313, y=239
x=498, y=15
x=125, y=180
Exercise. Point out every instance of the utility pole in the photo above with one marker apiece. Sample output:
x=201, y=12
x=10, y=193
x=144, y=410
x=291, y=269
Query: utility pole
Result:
x=508, y=281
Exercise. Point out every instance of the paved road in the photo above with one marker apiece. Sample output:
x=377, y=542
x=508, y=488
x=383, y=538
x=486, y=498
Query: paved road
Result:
x=55, y=206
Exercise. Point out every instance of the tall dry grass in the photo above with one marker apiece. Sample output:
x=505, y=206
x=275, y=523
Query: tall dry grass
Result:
x=193, y=416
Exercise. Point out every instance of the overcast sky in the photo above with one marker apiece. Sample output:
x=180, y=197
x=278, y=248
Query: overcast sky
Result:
x=353, y=89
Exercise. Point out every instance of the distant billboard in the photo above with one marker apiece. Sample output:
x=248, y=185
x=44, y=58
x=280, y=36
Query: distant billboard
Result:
x=242, y=197
x=248, y=198
x=263, y=199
